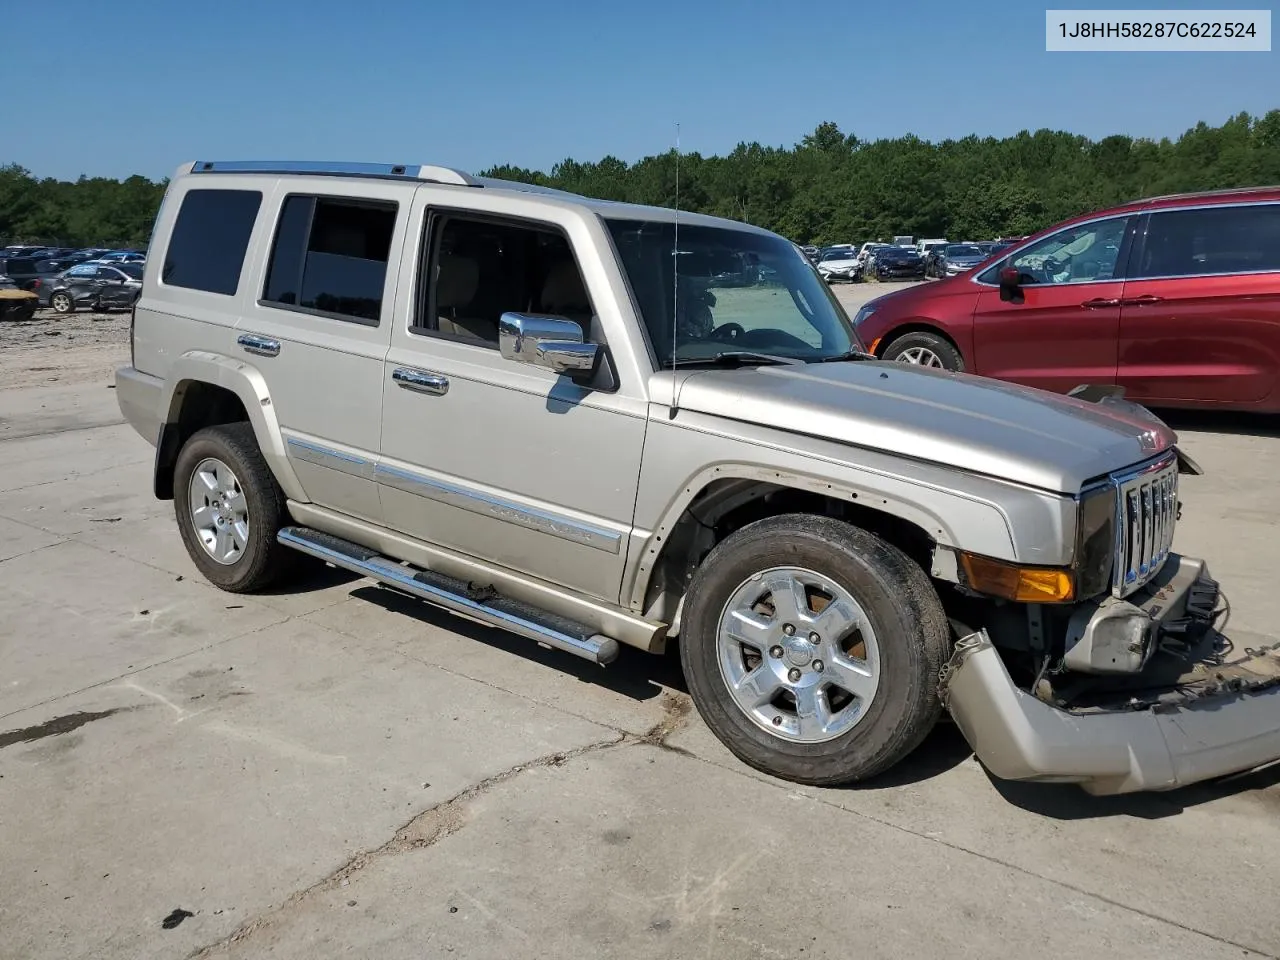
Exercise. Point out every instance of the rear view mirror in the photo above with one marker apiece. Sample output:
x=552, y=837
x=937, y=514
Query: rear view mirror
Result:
x=1011, y=285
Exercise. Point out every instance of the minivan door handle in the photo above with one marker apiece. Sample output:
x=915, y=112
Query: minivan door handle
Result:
x=1142, y=300
x=1097, y=303
x=262, y=346
x=421, y=381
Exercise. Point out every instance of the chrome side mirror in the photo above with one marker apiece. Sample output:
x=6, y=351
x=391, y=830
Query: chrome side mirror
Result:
x=549, y=342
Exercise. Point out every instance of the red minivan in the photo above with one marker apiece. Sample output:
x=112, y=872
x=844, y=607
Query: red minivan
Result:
x=1176, y=299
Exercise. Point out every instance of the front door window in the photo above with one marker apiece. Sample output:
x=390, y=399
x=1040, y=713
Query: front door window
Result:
x=1085, y=253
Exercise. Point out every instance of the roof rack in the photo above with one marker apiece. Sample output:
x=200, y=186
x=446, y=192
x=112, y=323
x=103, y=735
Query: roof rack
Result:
x=392, y=171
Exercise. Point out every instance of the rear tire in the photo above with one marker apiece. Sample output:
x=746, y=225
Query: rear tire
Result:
x=924, y=349
x=62, y=302
x=229, y=508
x=874, y=648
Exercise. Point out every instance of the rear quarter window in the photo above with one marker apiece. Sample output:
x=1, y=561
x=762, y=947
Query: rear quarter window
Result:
x=210, y=237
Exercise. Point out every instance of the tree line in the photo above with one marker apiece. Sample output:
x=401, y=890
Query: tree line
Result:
x=830, y=187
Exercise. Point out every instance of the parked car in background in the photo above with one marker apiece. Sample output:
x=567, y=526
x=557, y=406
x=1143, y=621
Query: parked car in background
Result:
x=812, y=253
x=840, y=265
x=904, y=241
x=25, y=271
x=122, y=256
x=98, y=286
x=925, y=247
x=1174, y=299
x=892, y=263
x=956, y=258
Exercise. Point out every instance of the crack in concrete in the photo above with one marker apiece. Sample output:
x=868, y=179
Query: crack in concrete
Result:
x=445, y=819
x=425, y=830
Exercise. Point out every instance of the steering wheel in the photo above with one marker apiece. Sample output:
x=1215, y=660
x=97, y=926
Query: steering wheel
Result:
x=1050, y=268
x=731, y=330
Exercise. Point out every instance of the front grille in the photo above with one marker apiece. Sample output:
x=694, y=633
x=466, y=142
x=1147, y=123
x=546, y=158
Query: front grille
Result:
x=1146, y=514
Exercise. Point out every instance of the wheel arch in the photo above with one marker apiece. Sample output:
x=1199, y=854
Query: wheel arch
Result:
x=726, y=497
x=205, y=389
x=920, y=325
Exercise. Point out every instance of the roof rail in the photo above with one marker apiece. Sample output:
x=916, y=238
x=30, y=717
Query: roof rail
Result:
x=1200, y=193
x=393, y=171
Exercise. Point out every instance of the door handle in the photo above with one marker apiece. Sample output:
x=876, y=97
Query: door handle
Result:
x=420, y=381
x=1097, y=303
x=1142, y=300
x=262, y=346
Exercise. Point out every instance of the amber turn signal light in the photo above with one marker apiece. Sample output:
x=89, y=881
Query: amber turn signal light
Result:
x=1023, y=584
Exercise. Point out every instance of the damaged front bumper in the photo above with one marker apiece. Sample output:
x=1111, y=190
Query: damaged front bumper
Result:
x=1224, y=719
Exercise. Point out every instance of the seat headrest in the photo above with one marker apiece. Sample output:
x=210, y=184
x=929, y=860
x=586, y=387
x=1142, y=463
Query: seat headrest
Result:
x=563, y=292
x=456, y=282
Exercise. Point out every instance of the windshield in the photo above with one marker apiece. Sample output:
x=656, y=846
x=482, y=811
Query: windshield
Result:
x=963, y=250
x=736, y=291
x=838, y=255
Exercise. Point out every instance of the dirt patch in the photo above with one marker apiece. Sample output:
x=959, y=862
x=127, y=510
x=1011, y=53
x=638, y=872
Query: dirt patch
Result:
x=57, y=349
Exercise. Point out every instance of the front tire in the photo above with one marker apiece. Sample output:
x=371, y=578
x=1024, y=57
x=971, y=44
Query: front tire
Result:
x=924, y=349
x=812, y=649
x=229, y=509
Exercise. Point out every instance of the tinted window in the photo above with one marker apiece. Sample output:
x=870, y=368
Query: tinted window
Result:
x=1191, y=242
x=483, y=269
x=83, y=271
x=206, y=251
x=331, y=256
x=133, y=271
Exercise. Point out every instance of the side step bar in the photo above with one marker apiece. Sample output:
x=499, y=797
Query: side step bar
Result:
x=480, y=603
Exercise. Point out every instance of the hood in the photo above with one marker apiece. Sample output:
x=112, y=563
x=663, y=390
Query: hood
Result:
x=838, y=264
x=965, y=261
x=957, y=420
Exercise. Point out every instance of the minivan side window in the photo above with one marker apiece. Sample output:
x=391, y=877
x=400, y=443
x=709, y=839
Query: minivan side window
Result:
x=330, y=257
x=1084, y=253
x=210, y=237
x=1198, y=242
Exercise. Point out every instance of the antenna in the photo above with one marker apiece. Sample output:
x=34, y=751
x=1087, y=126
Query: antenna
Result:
x=675, y=282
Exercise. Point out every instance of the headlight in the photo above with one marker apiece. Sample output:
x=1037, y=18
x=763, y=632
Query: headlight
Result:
x=1095, y=542
x=866, y=311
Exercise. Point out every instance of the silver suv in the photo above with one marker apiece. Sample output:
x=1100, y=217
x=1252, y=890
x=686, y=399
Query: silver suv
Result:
x=600, y=425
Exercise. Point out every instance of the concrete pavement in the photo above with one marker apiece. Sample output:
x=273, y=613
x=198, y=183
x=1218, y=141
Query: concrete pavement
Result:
x=338, y=770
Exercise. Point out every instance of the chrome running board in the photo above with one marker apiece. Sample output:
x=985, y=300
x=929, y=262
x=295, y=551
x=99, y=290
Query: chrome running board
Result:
x=479, y=603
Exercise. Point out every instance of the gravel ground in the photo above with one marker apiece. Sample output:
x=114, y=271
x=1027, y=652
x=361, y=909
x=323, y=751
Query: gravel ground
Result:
x=75, y=348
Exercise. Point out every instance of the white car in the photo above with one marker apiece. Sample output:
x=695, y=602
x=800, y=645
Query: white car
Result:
x=924, y=246
x=840, y=264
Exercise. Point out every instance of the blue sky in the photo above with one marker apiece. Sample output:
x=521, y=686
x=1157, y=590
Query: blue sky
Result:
x=143, y=86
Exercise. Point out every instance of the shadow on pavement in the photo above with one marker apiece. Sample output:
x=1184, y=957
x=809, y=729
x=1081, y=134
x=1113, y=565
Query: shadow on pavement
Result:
x=634, y=674
x=941, y=750
x=1067, y=802
x=1215, y=421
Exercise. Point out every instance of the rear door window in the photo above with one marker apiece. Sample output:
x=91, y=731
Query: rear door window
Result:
x=330, y=256
x=210, y=237
x=1198, y=242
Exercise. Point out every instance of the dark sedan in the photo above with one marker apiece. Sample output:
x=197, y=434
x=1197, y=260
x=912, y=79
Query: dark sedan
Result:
x=896, y=262
x=97, y=285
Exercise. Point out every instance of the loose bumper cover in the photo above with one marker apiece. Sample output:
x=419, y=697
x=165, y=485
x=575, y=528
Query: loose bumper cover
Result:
x=1225, y=722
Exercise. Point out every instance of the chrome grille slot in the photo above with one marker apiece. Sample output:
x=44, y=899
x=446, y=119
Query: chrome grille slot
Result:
x=1146, y=514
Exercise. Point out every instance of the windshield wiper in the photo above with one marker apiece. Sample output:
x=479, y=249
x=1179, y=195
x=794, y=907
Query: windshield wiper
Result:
x=848, y=355
x=732, y=358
